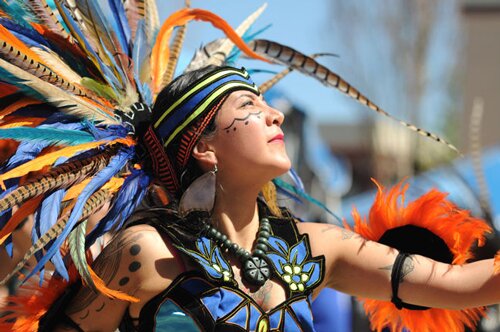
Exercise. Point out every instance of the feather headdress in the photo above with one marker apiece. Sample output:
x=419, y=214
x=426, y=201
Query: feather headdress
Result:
x=75, y=78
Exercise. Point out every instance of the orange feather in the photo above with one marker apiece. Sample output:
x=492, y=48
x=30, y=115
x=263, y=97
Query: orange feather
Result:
x=160, y=54
x=458, y=229
x=20, y=121
x=18, y=105
x=7, y=89
x=8, y=37
x=114, y=294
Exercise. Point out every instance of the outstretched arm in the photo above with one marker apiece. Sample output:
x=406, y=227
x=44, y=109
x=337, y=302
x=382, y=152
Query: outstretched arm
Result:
x=363, y=268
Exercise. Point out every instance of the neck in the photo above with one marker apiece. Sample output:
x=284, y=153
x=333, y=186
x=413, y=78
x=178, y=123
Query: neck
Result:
x=236, y=215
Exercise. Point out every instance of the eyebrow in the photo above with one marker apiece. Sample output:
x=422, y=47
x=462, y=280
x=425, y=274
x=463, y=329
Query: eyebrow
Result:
x=251, y=95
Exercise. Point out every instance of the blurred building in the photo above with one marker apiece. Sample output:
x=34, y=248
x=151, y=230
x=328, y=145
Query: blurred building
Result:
x=481, y=81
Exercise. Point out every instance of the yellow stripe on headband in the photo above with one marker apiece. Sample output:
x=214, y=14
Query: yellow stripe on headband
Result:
x=198, y=87
x=215, y=94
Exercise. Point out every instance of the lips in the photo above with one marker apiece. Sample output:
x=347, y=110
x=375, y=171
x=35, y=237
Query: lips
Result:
x=279, y=137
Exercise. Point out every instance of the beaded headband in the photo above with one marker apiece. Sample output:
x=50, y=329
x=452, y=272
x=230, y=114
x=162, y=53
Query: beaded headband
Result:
x=185, y=119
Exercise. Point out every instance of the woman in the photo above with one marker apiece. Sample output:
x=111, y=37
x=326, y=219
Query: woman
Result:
x=207, y=268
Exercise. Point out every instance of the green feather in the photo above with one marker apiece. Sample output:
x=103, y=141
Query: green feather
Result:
x=54, y=136
x=100, y=89
x=76, y=242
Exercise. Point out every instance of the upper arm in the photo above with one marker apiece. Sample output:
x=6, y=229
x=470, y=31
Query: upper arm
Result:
x=136, y=262
x=352, y=264
x=363, y=268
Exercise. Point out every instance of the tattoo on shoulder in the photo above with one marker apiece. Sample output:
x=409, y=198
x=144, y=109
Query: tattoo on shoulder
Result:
x=106, y=266
x=346, y=233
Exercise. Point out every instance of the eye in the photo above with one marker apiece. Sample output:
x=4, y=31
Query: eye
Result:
x=248, y=102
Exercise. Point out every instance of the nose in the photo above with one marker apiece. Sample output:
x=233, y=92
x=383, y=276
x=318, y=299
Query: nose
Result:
x=274, y=117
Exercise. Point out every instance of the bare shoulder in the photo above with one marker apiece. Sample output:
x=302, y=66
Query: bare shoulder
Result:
x=318, y=231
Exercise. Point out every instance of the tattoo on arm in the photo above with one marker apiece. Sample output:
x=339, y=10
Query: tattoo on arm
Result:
x=408, y=267
x=106, y=266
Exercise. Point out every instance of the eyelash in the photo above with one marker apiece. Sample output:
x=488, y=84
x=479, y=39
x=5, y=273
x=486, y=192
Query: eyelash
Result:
x=247, y=103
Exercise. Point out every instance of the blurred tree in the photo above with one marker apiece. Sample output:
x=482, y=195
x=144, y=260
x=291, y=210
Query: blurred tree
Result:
x=404, y=56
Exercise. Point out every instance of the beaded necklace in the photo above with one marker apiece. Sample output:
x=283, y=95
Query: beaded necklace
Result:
x=255, y=267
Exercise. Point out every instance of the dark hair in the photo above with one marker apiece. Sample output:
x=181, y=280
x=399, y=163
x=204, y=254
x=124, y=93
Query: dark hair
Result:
x=152, y=210
x=174, y=91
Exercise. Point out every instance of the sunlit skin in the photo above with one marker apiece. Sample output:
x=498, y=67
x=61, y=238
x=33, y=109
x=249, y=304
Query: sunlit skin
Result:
x=248, y=149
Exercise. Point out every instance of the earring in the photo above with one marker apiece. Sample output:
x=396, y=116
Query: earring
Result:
x=200, y=195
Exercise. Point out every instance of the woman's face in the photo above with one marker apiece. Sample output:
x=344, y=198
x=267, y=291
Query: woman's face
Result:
x=249, y=140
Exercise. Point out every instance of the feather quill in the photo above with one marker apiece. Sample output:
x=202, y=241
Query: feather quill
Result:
x=287, y=56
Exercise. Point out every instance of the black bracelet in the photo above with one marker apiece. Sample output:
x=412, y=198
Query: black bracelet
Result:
x=396, y=279
x=396, y=274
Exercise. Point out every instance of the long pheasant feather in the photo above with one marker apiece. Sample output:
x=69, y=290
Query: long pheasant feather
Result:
x=61, y=176
x=84, y=206
x=50, y=158
x=175, y=52
x=287, y=56
x=278, y=77
x=135, y=11
x=47, y=17
x=94, y=202
x=65, y=101
x=151, y=20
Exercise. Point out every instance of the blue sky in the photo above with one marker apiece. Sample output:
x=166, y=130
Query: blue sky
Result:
x=301, y=25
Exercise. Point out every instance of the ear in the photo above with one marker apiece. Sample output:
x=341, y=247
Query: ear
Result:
x=205, y=154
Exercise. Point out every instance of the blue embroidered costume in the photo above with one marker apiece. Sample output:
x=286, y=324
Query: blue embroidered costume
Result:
x=208, y=299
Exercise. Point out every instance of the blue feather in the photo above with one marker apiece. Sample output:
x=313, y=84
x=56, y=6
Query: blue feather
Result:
x=111, y=34
x=122, y=22
x=114, y=166
x=296, y=179
x=247, y=36
x=46, y=217
x=18, y=12
x=52, y=136
x=140, y=53
x=27, y=34
x=301, y=193
x=127, y=199
x=108, y=74
x=25, y=152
